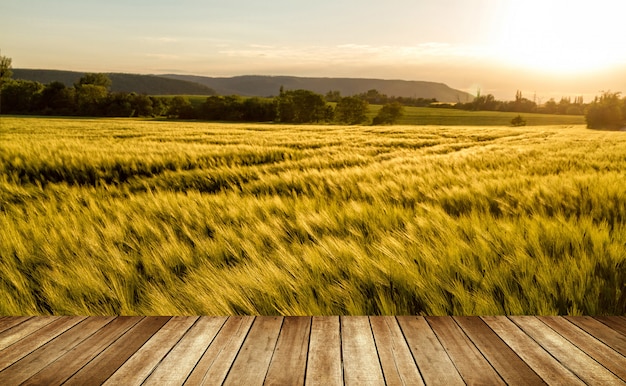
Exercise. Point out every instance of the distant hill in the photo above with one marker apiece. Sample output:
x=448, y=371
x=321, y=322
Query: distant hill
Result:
x=253, y=85
x=141, y=84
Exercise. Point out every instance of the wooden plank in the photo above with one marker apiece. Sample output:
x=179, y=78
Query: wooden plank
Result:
x=22, y=330
x=469, y=361
x=106, y=363
x=601, y=331
x=324, y=362
x=548, y=368
x=7, y=322
x=590, y=371
x=219, y=357
x=63, y=368
x=253, y=360
x=603, y=354
x=288, y=364
x=616, y=323
x=506, y=362
x=361, y=365
x=43, y=335
x=139, y=366
x=42, y=357
x=396, y=360
x=432, y=360
x=179, y=363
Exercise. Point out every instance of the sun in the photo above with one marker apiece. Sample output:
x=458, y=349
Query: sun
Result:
x=562, y=37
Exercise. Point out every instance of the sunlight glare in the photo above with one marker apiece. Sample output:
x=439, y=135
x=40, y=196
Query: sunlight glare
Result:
x=562, y=37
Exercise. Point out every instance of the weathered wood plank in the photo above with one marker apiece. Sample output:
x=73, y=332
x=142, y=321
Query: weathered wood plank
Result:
x=113, y=357
x=288, y=364
x=469, y=361
x=590, y=371
x=548, y=368
x=7, y=322
x=506, y=362
x=432, y=360
x=361, y=365
x=601, y=331
x=396, y=360
x=178, y=364
x=617, y=324
x=137, y=368
x=36, y=339
x=603, y=354
x=64, y=367
x=324, y=362
x=48, y=353
x=219, y=357
x=22, y=330
x=252, y=362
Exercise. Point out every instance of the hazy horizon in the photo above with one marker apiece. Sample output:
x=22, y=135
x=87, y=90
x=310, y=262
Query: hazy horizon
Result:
x=547, y=49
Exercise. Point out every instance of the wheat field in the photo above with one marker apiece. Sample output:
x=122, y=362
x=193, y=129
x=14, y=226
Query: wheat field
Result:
x=135, y=217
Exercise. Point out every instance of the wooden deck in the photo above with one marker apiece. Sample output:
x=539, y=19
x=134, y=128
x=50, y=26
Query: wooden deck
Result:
x=355, y=350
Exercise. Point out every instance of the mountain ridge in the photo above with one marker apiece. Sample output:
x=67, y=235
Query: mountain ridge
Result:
x=266, y=85
x=120, y=82
x=253, y=85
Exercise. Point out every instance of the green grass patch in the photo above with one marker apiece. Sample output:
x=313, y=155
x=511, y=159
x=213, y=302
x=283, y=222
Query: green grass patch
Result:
x=137, y=217
x=454, y=117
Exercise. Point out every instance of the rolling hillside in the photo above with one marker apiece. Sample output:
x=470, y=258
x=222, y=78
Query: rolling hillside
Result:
x=252, y=85
x=255, y=85
x=141, y=84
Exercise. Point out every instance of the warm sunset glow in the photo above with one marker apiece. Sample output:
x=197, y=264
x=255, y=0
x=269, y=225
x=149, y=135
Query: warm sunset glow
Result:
x=551, y=47
x=562, y=37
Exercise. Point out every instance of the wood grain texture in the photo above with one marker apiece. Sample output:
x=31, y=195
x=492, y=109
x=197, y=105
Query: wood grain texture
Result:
x=8, y=322
x=403, y=350
x=506, y=362
x=137, y=368
x=361, y=365
x=538, y=359
x=324, y=365
x=67, y=365
x=252, y=362
x=214, y=365
x=601, y=332
x=469, y=361
x=617, y=324
x=603, y=354
x=22, y=330
x=288, y=366
x=113, y=357
x=432, y=359
x=399, y=367
x=48, y=353
x=36, y=339
x=590, y=371
x=178, y=364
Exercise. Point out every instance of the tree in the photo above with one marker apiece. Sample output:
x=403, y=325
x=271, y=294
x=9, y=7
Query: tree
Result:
x=606, y=112
x=518, y=121
x=92, y=91
x=56, y=99
x=6, y=73
x=300, y=106
x=180, y=107
x=20, y=96
x=389, y=114
x=95, y=79
x=90, y=99
x=351, y=110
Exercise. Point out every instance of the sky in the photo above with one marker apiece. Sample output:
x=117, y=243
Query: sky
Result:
x=545, y=48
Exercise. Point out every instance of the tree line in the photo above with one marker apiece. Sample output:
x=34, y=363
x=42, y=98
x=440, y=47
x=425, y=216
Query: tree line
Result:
x=91, y=96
